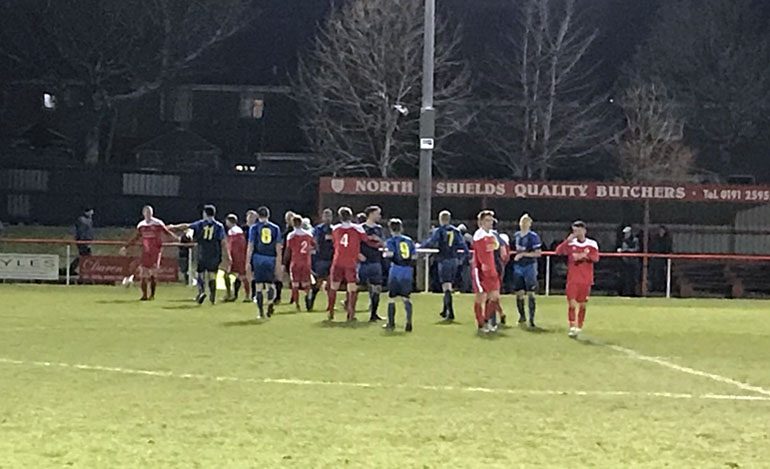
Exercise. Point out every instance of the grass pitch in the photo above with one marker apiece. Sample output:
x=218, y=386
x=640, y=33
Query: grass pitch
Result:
x=89, y=377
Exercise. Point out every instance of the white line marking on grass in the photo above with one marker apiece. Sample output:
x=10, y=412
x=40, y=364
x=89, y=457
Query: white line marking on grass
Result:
x=461, y=389
x=691, y=371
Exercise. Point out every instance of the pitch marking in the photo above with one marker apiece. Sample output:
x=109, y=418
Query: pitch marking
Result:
x=460, y=389
x=691, y=371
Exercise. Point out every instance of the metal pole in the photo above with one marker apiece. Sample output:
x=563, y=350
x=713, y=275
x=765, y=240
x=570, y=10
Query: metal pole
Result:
x=668, y=277
x=427, y=272
x=547, y=275
x=69, y=254
x=190, y=275
x=427, y=125
x=646, y=241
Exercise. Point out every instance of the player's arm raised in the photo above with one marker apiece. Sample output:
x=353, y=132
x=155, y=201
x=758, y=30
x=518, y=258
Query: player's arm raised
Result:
x=131, y=242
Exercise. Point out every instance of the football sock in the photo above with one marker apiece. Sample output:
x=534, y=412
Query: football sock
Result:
x=246, y=289
x=213, y=289
x=375, y=302
x=201, y=284
x=271, y=294
x=479, y=311
x=571, y=316
x=448, y=303
x=332, y=300
x=144, y=288
x=260, y=302
x=532, y=309
x=238, y=284
x=492, y=308
x=520, y=307
x=153, y=285
x=312, y=295
x=294, y=294
x=581, y=316
x=278, y=288
x=253, y=289
x=391, y=313
x=408, y=308
x=352, y=297
x=228, y=285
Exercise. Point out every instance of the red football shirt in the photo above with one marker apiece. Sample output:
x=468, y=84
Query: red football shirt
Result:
x=484, y=246
x=236, y=245
x=152, y=232
x=580, y=270
x=300, y=245
x=347, y=244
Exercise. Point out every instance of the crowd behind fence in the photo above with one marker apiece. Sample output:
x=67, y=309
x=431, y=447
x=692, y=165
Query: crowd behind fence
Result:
x=685, y=275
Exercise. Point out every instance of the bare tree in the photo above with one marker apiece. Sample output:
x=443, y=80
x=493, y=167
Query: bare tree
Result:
x=651, y=147
x=115, y=50
x=549, y=109
x=359, y=87
x=714, y=56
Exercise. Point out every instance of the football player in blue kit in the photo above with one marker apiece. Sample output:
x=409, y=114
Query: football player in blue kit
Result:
x=452, y=251
x=265, y=257
x=528, y=248
x=401, y=250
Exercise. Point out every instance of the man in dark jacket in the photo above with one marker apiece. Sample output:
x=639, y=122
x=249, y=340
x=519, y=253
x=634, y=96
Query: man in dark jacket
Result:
x=84, y=231
x=630, y=265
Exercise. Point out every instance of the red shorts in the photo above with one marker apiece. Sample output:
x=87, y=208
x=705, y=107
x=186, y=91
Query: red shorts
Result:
x=578, y=292
x=151, y=259
x=485, y=282
x=342, y=273
x=238, y=266
x=300, y=273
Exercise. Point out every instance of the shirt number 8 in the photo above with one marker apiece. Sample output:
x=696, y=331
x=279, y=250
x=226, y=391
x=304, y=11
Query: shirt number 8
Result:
x=266, y=235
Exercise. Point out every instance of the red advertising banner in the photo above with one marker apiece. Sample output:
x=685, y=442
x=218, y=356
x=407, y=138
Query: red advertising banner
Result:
x=116, y=268
x=551, y=190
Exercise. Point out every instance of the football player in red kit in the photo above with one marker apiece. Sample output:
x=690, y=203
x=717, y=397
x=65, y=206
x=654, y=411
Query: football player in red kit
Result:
x=486, y=279
x=236, y=244
x=582, y=253
x=151, y=231
x=347, y=247
x=300, y=245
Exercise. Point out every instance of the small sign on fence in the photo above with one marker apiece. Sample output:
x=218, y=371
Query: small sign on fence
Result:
x=116, y=268
x=29, y=266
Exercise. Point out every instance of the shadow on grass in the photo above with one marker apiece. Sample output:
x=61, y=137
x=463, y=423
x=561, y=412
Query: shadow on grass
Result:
x=448, y=323
x=190, y=306
x=117, y=302
x=493, y=336
x=537, y=330
x=245, y=323
x=346, y=324
x=396, y=333
x=591, y=342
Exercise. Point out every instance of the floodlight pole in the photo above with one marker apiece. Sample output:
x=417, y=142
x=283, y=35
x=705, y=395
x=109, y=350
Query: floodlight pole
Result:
x=427, y=126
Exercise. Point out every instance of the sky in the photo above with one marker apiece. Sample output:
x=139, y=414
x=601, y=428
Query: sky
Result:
x=267, y=52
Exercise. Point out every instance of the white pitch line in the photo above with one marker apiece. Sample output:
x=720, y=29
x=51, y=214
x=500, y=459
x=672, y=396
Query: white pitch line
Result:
x=461, y=389
x=691, y=371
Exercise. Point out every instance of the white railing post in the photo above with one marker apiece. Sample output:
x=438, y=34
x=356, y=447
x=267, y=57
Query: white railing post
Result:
x=190, y=276
x=427, y=272
x=67, y=268
x=668, y=277
x=547, y=275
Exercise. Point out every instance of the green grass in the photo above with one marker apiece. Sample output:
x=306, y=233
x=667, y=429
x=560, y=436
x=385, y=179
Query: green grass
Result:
x=296, y=391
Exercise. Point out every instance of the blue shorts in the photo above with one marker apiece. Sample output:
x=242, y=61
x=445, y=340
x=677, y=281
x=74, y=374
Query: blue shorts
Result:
x=399, y=287
x=447, y=270
x=525, y=279
x=263, y=268
x=370, y=273
x=209, y=264
x=322, y=268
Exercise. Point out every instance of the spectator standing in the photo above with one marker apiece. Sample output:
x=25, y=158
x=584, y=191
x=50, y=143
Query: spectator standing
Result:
x=660, y=243
x=84, y=231
x=629, y=275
